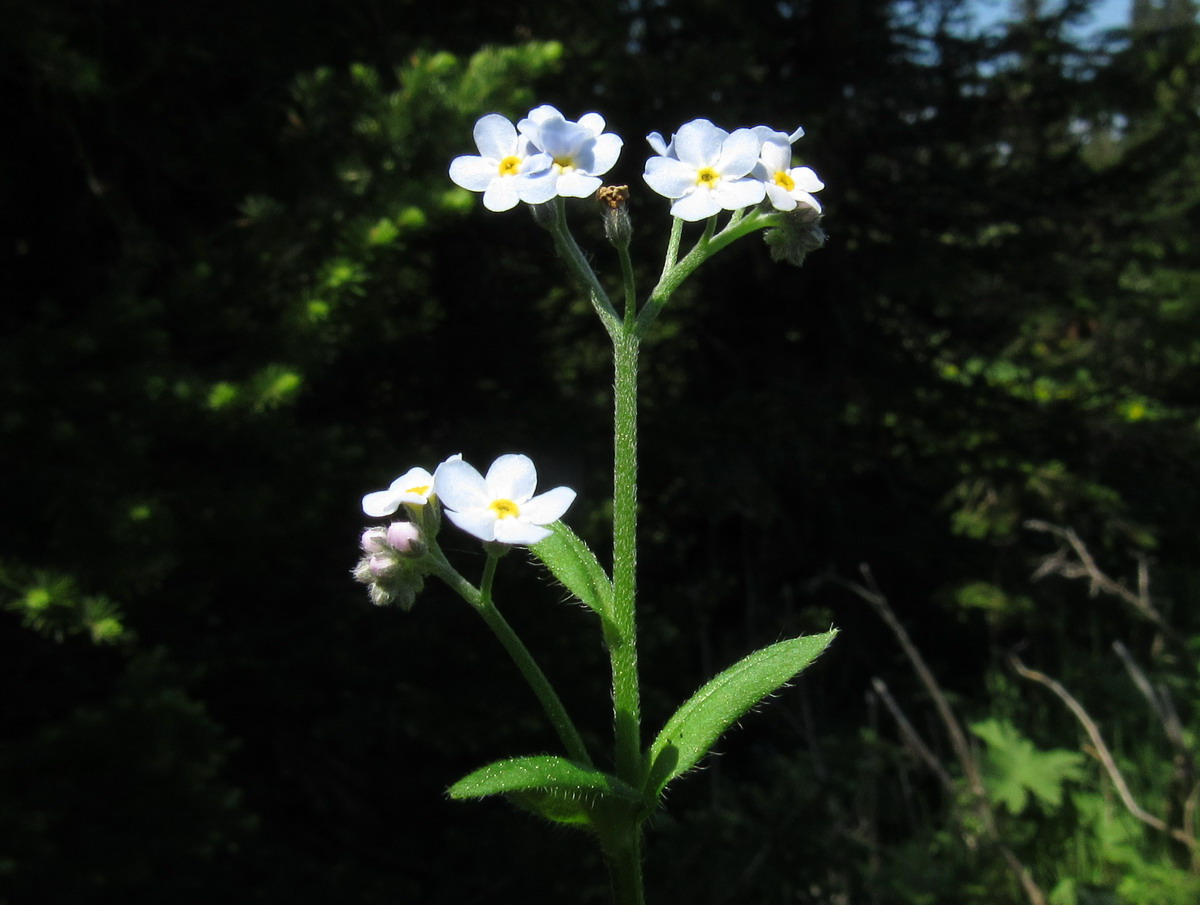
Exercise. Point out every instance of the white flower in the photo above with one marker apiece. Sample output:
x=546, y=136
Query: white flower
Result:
x=509, y=169
x=709, y=171
x=581, y=152
x=414, y=488
x=500, y=507
x=787, y=186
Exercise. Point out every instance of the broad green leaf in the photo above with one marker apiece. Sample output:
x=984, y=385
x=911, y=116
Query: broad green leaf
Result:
x=541, y=773
x=696, y=725
x=1014, y=767
x=571, y=562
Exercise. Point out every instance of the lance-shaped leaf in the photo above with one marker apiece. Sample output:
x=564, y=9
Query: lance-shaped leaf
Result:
x=541, y=773
x=696, y=725
x=571, y=562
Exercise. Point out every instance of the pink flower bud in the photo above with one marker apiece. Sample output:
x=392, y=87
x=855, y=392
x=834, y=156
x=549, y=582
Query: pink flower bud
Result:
x=402, y=536
x=382, y=564
x=374, y=540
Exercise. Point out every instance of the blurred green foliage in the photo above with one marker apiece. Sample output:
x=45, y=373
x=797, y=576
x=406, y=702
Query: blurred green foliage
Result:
x=242, y=292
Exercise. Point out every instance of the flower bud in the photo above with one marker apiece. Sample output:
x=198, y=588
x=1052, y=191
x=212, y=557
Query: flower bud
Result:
x=798, y=233
x=404, y=537
x=381, y=565
x=617, y=226
x=374, y=540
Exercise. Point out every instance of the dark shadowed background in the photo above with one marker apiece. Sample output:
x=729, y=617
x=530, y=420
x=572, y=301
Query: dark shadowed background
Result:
x=240, y=291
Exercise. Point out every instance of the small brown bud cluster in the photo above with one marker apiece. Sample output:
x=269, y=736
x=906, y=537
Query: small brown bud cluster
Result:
x=617, y=226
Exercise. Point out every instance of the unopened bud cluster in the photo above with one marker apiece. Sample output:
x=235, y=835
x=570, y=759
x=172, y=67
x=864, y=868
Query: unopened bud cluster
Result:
x=389, y=564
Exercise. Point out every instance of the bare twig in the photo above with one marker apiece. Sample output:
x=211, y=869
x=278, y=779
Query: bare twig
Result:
x=1159, y=702
x=1083, y=565
x=869, y=591
x=958, y=738
x=1102, y=752
x=911, y=737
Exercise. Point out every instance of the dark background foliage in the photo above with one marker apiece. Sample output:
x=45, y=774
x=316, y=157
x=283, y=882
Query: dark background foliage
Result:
x=241, y=292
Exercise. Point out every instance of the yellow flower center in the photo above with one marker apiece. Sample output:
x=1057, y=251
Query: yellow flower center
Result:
x=504, y=508
x=421, y=490
x=510, y=166
x=707, y=177
x=785, y=181
x=564, y=164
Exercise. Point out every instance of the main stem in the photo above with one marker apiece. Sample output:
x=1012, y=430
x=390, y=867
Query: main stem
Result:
x=623, y=640
x=623, y=847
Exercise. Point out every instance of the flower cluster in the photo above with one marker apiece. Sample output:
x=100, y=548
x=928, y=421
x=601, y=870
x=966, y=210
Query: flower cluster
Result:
x=544, y=156
x=705, y=170
x=499, y=507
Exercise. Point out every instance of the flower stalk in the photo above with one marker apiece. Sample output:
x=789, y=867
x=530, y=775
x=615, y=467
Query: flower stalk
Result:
x=540, y=161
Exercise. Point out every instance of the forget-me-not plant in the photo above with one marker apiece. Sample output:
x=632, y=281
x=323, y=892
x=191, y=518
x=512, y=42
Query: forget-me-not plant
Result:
x=745, y=176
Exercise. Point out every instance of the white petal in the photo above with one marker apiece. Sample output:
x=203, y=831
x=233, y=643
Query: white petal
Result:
x=806, y=180
x=776, y=157
x=549, y=506
x=537, y=189
x=660, y=146
x=592, y=121
x=781, y=199
x=474, y=173
x=766, y=133
x=669, y=177
x=412, y=480
x=511, y=477
x=699, y=143
x=577, y=185
x=806, y=198
x=495, y=136
x=459, y=486
x=562, y=140
x=539, y=115
x=739, y=153
x=381, y=503
x=535, y=164
x=734, y=194
x=699, y=205
x=480, y=522
x=516, y=531
x=501, y=193
x=795, y=136
x=605, y=152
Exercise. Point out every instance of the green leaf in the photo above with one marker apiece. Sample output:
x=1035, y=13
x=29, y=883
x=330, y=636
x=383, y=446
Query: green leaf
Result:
x=1014, y=767
x=541, y=773
x=696, y=725
x=571, y=562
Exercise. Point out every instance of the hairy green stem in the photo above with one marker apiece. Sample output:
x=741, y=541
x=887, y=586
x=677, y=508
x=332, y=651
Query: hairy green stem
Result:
x=481, y=601
x=622, y=640
x=675, y=272
x=577, y=263
x=624, y=856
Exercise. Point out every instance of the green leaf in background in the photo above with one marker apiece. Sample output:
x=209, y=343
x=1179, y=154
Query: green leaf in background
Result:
x=696, y=725
x=1015, y=767
x=571, y=562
